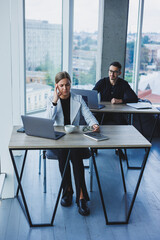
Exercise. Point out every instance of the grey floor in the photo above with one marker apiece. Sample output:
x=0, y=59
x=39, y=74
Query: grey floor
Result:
x=144, y=222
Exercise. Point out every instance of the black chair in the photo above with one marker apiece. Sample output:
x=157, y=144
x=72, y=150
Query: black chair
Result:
x=51, y=155
x=143, y=123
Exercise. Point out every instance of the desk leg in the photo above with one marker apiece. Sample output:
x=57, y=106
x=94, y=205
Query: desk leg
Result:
x=21, y=174
x=101, y=123
x=129, y=167
x=60, y=188
x=154, y=127
x=99, y=186
x=123, y=178
x=21, y=189
x=128, y=212
x=25, y=207
x=140, y=124
x=138, y=183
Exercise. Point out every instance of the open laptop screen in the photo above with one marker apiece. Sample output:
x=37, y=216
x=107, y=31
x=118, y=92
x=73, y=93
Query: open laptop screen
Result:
x=40, y=127
x=92, y=97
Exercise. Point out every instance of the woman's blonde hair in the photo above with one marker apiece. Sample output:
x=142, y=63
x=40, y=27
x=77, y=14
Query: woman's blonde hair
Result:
x=61, y=75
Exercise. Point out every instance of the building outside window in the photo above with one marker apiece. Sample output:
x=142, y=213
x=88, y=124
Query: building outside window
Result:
x=43, y=49
x=85, y=33
x=149, y=73
x=149, y=64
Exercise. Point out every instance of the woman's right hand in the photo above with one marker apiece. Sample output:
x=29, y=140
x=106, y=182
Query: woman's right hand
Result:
x=56, y=94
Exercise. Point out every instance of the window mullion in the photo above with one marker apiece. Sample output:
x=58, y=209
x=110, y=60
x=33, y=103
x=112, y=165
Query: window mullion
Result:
x=138, y=45
x=67, y=14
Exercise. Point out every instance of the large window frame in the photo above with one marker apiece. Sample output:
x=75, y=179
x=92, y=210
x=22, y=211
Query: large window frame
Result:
x=67, y=34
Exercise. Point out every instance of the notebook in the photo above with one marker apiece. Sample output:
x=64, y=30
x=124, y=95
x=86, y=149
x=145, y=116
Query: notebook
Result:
x=96, y=136
x=91, y=97
x=140, y=105
x=40, y=127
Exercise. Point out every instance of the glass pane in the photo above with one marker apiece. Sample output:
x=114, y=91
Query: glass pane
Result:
x=131, y=41
x=85, y=43
x=149, y=75
x=43, y=45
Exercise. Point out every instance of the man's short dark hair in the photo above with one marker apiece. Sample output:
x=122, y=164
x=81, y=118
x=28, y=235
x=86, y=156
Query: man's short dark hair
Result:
x=116, y=64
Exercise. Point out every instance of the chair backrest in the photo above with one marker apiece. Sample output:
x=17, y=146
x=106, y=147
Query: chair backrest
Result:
x=82, y=120
x=144, y=100
x=52, y=154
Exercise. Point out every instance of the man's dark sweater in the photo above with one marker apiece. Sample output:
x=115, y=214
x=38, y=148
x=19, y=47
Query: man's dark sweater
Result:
x=121, y=90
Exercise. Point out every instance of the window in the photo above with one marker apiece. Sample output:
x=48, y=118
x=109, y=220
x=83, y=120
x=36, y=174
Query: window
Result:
x=149, y=73
x=131, y=41
x=43, y=49
x=85, y=43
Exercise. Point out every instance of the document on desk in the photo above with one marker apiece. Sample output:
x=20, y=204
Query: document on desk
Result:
x=140, y=105
x=96, y=136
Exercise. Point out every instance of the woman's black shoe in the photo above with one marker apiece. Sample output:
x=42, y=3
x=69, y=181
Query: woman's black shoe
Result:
x=82, y=207
x=66, y=200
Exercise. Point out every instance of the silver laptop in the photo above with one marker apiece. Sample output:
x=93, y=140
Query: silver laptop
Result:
x=40, y=127
x=91, y=97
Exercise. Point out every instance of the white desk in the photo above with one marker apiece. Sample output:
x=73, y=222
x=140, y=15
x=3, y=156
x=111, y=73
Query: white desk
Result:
x=119, y=137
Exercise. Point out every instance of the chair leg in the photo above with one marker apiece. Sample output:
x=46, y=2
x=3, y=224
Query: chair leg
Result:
x=44, y=169
x=40, y=154
x=91, y=173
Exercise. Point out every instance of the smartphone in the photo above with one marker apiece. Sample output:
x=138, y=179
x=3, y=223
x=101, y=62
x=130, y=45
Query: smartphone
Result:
x=21, y=130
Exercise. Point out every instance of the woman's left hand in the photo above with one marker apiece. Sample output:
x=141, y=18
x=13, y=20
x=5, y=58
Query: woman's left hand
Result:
x=95, y=128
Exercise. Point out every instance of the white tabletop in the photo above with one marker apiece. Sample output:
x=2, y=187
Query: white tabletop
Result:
x=120, y=136
x=123, y=108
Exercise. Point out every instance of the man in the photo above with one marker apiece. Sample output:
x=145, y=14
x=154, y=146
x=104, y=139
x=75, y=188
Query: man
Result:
x=115, y=90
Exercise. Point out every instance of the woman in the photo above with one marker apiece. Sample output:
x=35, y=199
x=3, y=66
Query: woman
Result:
x=65, y=108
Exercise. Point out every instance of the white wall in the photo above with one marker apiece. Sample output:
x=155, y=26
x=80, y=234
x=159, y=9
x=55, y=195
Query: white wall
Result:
x=12, y=82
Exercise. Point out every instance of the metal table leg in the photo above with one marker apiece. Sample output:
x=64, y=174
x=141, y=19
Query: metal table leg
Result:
x=128, y=211
x=23, y=203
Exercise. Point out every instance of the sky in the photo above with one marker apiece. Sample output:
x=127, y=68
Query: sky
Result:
x=86, y=14
x=151, y=16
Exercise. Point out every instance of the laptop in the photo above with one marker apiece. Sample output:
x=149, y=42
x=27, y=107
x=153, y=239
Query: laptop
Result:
x=91, y=95
x=40, y=127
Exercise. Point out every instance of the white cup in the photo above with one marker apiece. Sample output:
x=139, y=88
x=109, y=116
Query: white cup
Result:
x=69, y=128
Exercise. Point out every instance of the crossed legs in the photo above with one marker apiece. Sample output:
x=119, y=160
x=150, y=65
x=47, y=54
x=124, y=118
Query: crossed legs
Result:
x=78, y=171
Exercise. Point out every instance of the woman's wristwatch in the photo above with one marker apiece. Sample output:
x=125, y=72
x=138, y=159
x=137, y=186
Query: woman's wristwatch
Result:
x=54, y=104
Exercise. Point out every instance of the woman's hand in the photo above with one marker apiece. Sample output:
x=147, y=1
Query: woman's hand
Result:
x=56, y=94
x=95, y=128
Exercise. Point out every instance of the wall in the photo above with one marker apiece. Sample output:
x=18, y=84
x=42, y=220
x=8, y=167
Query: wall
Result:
x=12, y=82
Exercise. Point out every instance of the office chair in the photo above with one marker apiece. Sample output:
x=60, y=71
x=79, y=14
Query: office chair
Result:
x=50, y=154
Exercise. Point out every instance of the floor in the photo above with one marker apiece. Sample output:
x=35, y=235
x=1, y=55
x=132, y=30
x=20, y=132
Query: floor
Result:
x=144, y=223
